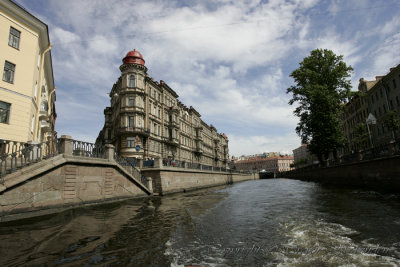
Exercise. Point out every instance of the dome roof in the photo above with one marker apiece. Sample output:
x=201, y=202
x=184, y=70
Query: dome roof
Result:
x=133, y=57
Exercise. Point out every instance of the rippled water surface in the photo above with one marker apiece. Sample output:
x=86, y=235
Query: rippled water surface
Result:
x=277, y=222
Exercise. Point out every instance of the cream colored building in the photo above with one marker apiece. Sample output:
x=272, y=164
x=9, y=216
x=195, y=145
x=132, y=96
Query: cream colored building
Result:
x=27, y=91
x=379, y=97
x=146, y=120
x=270, y=164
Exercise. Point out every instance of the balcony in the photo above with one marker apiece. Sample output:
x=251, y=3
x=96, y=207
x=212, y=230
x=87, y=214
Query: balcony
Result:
x=171, y=141
x=45, y=126
x=133, y=131
x=43, y=115
x=198, y=138
x=135, y=109
x=198, y=150
x=173, y=124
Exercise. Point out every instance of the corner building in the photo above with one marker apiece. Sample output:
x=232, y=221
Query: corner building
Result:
x=146, y=120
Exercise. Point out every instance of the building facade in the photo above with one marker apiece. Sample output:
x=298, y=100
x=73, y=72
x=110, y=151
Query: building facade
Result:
x=146, y=120
x=272, y=164
x=378, y=100
x=302, y=157
x=27, y=91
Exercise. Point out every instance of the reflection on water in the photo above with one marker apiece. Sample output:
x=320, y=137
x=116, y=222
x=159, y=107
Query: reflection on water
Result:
x=275, y=222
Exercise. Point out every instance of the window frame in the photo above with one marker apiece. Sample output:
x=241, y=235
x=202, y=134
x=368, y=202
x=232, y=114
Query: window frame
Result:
x=14, y=38
x=7, y=112
x=130, y=142
x=131, y=122
x=131, y=101
x=9, y=73
x=132, y=81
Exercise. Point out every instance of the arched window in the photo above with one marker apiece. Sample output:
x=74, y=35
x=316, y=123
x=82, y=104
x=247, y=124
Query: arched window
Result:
x=132, y=81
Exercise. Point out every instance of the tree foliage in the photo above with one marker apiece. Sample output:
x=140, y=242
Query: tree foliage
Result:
x=392, y=121
x=361, y=136
x=321, y=87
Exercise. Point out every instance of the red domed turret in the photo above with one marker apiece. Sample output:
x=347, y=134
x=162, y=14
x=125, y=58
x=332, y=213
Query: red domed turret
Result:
x=133, y=57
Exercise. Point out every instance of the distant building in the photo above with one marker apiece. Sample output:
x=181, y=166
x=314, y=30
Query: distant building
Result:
x=303, y=157
x=146, y=120
x=377, y=98
x=27, y=91
x=273, y=164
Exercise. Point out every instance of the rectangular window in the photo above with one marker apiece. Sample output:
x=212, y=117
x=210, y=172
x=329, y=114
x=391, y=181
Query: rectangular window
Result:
x=130, y=142
x=131, y=101
x=14, y=37
x=394, y=83
x=9, y=70
x=131, y=122
x=4, y=112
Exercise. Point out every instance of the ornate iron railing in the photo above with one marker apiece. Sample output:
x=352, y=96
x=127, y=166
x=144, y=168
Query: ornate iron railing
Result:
x=85, y=149
x=191, y=165
x=16, y=155
x=129, y=164
x=206, y=167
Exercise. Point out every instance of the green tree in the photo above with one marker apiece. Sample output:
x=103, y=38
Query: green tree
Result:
x=392, y=122
x=361, y=137
x=320, y=90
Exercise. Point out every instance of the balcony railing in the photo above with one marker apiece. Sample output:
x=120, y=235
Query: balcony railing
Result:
x=134, y=130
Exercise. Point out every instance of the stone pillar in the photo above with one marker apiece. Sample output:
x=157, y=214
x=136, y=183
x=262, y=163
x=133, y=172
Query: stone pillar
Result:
x=139, y=163
x=360, y=155
x=66, y=145
x=392, y=147
x=158, y=163
x=149, y=184
x=109, y=152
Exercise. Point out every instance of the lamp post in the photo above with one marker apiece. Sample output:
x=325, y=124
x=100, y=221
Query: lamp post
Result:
x=370, y=120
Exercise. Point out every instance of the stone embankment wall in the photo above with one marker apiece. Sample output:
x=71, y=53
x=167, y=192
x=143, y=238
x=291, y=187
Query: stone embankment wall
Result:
x=378, y=174
x=67, y=180
x=168, y=180
x=63, y=182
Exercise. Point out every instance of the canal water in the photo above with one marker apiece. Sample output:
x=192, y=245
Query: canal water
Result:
x=277, y=222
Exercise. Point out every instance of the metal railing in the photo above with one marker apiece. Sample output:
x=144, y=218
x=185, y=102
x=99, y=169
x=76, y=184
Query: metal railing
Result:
x=196, y=166
x=148, y=163
x=16, y=155
x=173, y=163
x=85, y=149
x=129, y=164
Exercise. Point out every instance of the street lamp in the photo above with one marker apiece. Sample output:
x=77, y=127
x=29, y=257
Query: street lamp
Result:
x=370, y=120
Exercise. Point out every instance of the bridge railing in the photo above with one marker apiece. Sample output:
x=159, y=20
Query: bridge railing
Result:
x=129, y=164
x=16, y=155
x=86, y=149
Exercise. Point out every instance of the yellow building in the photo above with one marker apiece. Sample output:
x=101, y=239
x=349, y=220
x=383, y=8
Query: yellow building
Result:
x=27, y=92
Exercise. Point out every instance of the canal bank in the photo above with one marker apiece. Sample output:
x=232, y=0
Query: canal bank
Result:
x=75, y=176
x=381, y=174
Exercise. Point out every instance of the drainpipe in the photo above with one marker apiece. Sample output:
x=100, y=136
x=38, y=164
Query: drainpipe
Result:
x=36, y=131
x=50, y=107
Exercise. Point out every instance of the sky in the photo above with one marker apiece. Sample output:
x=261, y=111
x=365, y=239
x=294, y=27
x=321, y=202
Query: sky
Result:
x=230, y=60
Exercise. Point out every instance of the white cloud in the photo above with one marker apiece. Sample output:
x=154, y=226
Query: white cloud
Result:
x=248, y=145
